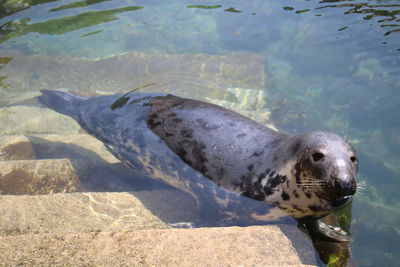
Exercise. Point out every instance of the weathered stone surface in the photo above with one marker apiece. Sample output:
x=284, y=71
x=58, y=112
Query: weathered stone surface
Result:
x=18, y=177
x=170, y=205
x=19, y=120
x=233, y=246
x=89, y=167
x=75, y=212
x=16, y=148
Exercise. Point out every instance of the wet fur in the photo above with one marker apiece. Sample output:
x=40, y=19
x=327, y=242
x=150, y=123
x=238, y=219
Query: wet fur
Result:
x=214, y=153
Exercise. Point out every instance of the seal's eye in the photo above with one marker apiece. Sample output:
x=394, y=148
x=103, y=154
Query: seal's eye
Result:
x=317, y=156
x=353, y=159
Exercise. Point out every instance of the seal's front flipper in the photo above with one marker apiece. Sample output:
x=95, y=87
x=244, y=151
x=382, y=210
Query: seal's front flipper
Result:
x=321, y=231
x=333, y=233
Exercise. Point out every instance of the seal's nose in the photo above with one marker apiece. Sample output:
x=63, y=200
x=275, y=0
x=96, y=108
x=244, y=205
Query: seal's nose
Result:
x=345, y=186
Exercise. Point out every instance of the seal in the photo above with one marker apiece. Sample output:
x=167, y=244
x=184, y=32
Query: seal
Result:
x=198, y=147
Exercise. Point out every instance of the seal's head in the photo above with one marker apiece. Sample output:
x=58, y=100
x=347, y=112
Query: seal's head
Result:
x=324, y=167
x=327, y=167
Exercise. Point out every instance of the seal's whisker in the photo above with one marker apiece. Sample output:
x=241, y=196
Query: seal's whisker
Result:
x=361, y=186
x=314, y=181
x=360, y=189
x=312, y=184
x=360, y=195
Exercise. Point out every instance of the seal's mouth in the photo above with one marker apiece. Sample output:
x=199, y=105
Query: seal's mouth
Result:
x=340, y=202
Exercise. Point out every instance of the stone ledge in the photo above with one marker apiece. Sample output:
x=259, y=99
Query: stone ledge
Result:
x=231, y=246
x=74, y=213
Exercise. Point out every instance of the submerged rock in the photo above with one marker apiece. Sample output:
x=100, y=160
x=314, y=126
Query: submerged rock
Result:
x=195, y=75
x=34, y=120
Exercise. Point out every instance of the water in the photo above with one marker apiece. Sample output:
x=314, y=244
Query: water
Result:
x=330, y=65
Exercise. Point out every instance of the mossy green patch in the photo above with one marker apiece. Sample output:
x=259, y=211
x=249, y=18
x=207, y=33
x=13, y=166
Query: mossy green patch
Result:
x=4, y=61
x=288, y=8
x=302, y=11
x=204, y=7
x=91, y=33
x=3, y=85
x=233, y=10
x=64, y=25
x=72, y=23
x=77, y=4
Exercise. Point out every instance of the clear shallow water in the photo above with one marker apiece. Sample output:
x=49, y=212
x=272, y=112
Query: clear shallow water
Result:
x=328, y=65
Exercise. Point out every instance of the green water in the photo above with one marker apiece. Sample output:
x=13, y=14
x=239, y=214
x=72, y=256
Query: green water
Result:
x=330, y=65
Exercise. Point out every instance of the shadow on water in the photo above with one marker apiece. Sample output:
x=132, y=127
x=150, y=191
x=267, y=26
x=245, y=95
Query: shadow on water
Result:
x=174, y=206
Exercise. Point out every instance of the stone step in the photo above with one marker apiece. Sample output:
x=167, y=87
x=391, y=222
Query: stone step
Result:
x=18, y=177
x=231, y=246
x=90, y=173
x=74, y=213
x=44, y=164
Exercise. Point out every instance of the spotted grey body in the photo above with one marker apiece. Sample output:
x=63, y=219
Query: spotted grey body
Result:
x=204, y=149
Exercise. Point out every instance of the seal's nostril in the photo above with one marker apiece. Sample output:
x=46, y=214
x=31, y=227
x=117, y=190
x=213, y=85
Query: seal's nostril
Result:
x=338, y=185
x=344, y=187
